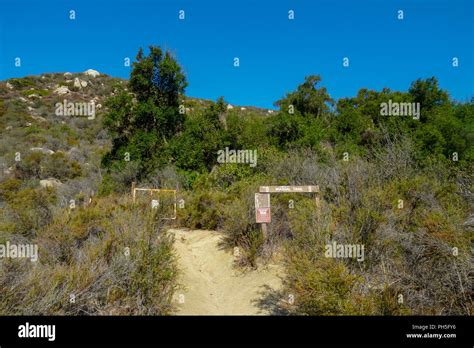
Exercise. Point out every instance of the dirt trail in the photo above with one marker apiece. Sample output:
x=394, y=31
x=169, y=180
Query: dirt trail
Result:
x=213, y=285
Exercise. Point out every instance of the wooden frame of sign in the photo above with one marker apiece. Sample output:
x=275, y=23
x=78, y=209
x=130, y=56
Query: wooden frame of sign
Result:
x=289, y=189
x=262, y=201
x=262, y=208
x=134, y=194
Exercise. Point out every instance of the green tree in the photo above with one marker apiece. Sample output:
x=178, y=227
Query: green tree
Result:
x=427, y=93
x=196, y=147
x=143, y=119
x=308, y=99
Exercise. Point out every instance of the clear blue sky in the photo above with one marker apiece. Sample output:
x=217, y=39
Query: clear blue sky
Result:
x=275, y=53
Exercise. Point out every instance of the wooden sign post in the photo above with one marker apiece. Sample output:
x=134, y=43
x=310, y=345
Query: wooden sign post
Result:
x=262, y=201
x=262, y=211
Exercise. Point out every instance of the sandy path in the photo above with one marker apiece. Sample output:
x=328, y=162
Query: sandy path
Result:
x=212, y=285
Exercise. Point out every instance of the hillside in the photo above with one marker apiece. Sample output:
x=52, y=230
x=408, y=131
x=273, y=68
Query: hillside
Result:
x=30, y=122
x=395, y=190
x=59, y=161
x=29, y=125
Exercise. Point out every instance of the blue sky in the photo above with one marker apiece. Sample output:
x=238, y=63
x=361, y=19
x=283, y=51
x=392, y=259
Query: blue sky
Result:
x=275, y=53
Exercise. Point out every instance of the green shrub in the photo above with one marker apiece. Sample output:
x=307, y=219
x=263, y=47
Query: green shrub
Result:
x=23, y=82
x=323, y=286
x=28, y=210
x=204, y=209
x=40, y=92
x=113, y=257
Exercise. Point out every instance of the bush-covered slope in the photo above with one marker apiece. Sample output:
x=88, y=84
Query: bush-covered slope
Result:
x=400, y=186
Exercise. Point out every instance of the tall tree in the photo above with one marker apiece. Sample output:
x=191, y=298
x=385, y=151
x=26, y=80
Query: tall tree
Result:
x=308, y=99
x=143, y=119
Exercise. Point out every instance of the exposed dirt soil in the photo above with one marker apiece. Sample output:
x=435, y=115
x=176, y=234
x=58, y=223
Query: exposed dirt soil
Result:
x=213, y=285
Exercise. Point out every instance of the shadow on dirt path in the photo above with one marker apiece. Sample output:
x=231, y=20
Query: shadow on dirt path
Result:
x=213, y=286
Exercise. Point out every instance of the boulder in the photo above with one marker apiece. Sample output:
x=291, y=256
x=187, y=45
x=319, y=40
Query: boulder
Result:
x=9, y=85
x=67, y=74
x=93, y=73
x=469, y=223
x=51, y=182
x=38, y=118
x=79, y=83
x=229, y=107
x=42, y=150
x=61, y=90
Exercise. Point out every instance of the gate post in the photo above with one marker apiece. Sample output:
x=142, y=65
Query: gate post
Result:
x=264, y=231
x=133, y=191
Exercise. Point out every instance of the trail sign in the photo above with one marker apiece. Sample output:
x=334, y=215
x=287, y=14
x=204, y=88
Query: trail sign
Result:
x=289, y=189
x=263, y=215
x=262, y=200
x=262, y=208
